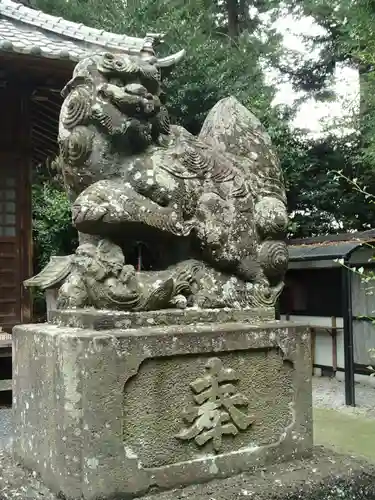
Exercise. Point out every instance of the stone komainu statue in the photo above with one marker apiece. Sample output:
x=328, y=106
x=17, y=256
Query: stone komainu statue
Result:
x=166, y=219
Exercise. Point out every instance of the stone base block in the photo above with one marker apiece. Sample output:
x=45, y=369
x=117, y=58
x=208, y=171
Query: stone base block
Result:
x=108, y=413
x=94, y=319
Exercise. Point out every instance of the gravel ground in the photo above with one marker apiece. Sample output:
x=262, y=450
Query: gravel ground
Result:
x=330, y=393
x=5, y=428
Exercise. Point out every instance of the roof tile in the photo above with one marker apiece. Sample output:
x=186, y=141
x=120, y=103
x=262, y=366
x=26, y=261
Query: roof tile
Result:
x=28, y=31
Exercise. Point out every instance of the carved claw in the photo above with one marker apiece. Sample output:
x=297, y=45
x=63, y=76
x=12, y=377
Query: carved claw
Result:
x=188, y=226
x=115, y=214
x=93, y=212
x=98, y=212
x=179, y=302
x=78, y=213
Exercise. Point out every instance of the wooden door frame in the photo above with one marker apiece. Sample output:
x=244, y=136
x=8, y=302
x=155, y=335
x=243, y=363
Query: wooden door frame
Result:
x=21, y=163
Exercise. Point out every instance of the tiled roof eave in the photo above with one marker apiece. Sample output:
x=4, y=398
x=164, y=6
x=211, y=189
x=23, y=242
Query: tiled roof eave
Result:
x=58, y=26
x=31, y=32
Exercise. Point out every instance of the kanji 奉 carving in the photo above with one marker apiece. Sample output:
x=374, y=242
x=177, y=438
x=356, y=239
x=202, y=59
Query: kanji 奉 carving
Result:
x=216, y=411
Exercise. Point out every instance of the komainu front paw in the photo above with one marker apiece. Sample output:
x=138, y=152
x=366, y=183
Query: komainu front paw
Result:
x=89, y=212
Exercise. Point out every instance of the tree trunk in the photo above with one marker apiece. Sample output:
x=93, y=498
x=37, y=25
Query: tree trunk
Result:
x=244, y=17
x=233, y=21
x=366, y=102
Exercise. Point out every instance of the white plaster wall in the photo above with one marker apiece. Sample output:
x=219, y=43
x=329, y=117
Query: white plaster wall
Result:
x=323, y=338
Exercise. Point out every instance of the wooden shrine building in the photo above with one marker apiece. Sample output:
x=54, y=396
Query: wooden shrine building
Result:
x=37, y=55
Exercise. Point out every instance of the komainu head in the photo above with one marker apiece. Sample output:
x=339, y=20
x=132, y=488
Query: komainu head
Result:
x=121, y=96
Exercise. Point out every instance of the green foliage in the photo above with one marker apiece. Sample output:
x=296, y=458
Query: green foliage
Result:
x=227, y=47
x=333, y=45
x=53, y=233
x=325, y=202
x=349, y=38
x=52, y=229
x=216, y=65
x=320, y=201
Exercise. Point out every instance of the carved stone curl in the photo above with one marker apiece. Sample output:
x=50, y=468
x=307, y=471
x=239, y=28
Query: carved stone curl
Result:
x=154, y=203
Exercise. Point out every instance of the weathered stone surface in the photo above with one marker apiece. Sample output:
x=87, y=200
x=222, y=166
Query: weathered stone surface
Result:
x=104, y=320
x=325, y=475
x=122, y=412
x=166, y=219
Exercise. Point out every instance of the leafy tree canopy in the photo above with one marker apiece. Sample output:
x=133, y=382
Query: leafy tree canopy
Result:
x=221, y=59
x=228, y=44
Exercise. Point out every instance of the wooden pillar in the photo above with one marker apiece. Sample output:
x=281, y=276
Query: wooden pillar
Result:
x=313, y=343
x=26, y=211
x=334, y=344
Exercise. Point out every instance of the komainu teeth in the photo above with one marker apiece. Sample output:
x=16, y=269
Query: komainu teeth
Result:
x=103, y=118
x=163, y=122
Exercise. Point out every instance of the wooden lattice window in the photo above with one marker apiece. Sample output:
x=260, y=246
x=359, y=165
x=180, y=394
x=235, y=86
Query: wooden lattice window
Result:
x=8, y=215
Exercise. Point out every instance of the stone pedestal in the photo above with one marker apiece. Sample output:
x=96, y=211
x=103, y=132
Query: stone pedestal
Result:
x=100, y=413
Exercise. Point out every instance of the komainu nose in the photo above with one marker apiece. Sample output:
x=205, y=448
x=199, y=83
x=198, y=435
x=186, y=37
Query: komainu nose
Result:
x=136, y=89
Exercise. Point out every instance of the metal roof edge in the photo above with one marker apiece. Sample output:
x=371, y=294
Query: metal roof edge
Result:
x=368, y=235
x=344, y=249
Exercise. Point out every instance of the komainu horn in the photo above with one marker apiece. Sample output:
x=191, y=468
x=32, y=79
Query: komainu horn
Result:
x=165, y=219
